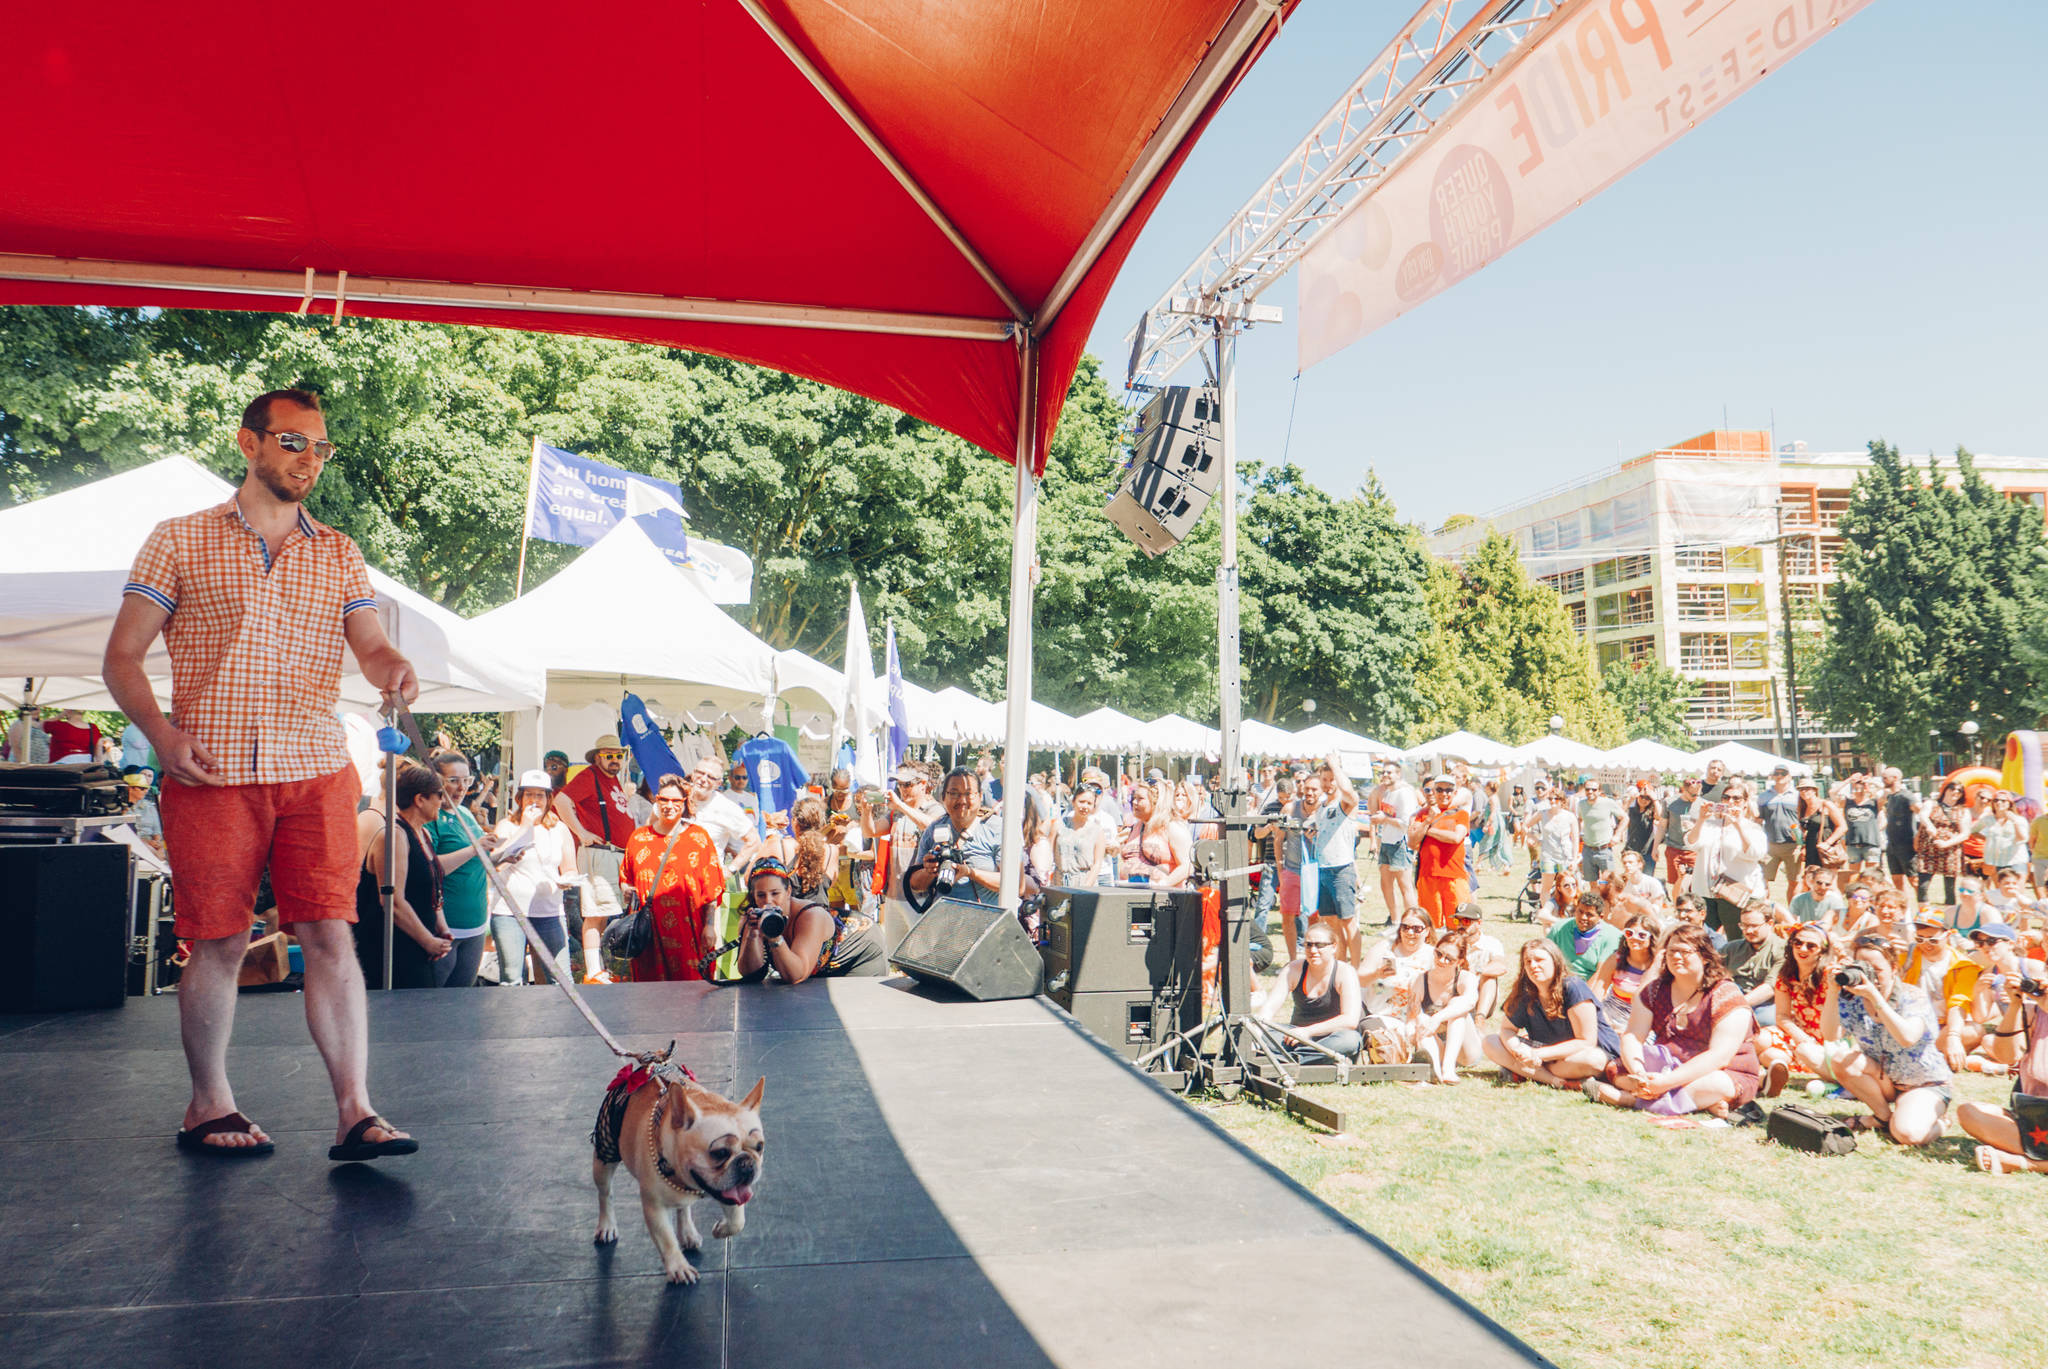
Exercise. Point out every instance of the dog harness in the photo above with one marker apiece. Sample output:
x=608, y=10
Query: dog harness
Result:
x=611, y=1112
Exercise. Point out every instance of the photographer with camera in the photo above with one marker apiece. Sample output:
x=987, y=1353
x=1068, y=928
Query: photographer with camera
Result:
x=2015, y=1137
x=1887, y=1056
x=800, y=940
x=960, y=854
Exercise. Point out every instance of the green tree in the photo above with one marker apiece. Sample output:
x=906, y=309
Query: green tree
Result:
x=1333, y=607
x=1934, y=617
x=1502, y=658
x=822, y=488
x=1651, y=699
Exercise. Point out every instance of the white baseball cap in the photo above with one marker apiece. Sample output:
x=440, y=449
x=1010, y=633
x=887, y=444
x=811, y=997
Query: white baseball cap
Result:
x=536, y=779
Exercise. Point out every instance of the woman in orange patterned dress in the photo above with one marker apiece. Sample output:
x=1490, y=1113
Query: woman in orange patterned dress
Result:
x=672, y=867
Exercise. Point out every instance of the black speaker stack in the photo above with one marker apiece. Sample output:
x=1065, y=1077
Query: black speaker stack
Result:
x=1126, y=961
x=64, y=920
x=1175, y=468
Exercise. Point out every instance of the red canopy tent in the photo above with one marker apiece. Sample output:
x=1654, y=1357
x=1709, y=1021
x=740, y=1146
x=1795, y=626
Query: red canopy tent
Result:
x=923, y=203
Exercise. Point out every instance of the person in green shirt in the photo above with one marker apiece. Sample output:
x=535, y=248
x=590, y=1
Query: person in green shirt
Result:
x=1600, y=820
x=1819, y=901
x=464, y=892
x=1588, y=938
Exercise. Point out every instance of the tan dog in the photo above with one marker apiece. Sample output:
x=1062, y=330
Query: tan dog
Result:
x=682, y=1142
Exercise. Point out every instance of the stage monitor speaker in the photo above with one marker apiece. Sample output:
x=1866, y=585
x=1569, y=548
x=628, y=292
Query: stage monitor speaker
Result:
x=64, y=913
x=978, y=948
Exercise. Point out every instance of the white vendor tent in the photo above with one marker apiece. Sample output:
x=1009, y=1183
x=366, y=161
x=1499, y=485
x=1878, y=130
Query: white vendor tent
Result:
x=1173, y=735
x=1260, y=738
x=1323, y=738
x=1463, y=746
x=958, y=716
x=622, y=617
x=1649, y=754
x=1748, y=760
x=1559, y=753
x=1105, y=731
x=64, y=559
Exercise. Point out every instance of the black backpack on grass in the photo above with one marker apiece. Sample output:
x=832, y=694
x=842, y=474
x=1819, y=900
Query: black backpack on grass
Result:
x=1818, y=1133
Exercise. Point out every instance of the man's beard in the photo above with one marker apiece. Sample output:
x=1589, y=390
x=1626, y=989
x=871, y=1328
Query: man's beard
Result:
x=281, y=488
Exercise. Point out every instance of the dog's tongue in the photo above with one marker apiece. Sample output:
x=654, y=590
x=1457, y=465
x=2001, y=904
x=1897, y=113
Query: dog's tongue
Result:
x=742, y=1195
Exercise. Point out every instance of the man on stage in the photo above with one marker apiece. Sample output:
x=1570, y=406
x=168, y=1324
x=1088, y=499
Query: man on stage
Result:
x=254, y=600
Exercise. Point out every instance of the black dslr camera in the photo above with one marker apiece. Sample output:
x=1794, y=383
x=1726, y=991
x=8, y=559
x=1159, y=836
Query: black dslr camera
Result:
x=1849, y=976
x=948, y=853
x=2032, y=987
x=774, y=922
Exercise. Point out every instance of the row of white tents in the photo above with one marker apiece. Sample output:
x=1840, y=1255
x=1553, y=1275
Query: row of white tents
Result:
x=621, y=617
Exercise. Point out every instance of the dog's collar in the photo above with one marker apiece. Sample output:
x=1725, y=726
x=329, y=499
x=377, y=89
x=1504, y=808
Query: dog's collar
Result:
x=661, y=1164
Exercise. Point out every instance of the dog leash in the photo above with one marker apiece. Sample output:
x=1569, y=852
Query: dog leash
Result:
x=655, y=1062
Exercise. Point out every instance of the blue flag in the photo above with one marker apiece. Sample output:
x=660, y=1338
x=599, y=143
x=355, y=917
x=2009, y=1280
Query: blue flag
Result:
x=899, y=710
x=577, y=500
x=650, y=751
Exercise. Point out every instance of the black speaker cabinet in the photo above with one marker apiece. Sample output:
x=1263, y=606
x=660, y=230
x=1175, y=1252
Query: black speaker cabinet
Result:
x=1125, y=955
x=978, y=948
x=64, y=916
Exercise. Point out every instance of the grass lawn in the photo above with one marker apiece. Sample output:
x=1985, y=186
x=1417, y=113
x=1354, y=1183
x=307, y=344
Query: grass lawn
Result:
x=1601, y=1239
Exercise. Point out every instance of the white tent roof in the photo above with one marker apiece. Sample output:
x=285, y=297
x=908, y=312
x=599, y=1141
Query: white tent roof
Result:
x=1463, y=746
x=1260, y=738
x=622, y=616
x=808, y=685
x=1560, y=752
x=63, y=561
x=1748, y=760
x=1106, y=731
x=957, y=715
x=1323, y=738
x=1173, y=735
x=1647, y=753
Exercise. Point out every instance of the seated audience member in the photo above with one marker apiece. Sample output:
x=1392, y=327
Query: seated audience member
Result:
x=1485, y=958
x=1818, y=901
x=1690, y=912
x=1392, y=967
x=1551, y=1030
x=1688, y=1044
x=1889, y=1059
x=1859, y=909
x=1974, y=992
x=1640, y=883
x=2004, y=1148
x=1890, y=919
x=1323, y=989
x=1440, y=1018
x=1588, y=938
x=1620, y=976
x=1976, y=906
x=2007, y=901
x=1927, y=962
x=1753, y=961
x=1794, y=1041
x=814, y=940
x=1564, y=897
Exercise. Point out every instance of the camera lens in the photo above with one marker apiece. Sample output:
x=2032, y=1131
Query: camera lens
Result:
x=773, y=924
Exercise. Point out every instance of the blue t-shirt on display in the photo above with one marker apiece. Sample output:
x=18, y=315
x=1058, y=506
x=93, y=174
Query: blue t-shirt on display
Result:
x=773, y=771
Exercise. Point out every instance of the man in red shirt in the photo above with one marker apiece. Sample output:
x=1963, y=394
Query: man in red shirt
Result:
x=255, y=601
x=593, y=804
x=1438, y=833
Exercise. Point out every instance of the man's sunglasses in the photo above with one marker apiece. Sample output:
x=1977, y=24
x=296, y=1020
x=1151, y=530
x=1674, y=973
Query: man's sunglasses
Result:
x=298, y=442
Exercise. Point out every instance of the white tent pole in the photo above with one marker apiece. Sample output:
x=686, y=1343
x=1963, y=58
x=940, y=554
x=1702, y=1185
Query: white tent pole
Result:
x=1226, y=571
x=526, y=520
x=1023, y=560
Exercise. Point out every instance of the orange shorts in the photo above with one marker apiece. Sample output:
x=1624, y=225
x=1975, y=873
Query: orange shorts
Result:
x=1440, y=898
x=220, y=839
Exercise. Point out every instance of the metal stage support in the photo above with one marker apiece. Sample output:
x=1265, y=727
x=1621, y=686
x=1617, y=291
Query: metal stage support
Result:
x=1448, y=52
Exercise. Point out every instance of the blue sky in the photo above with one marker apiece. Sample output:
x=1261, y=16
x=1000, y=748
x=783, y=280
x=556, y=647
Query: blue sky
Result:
x=1855, y=246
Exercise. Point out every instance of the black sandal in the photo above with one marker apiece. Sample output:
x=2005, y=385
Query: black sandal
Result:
x=354, y=1148
x=193, y=1141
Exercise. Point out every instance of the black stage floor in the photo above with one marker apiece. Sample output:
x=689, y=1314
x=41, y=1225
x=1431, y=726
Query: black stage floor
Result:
x=947, y=1183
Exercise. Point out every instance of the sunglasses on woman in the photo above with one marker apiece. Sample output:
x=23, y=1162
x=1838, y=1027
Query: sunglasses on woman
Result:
x=1414, y=927
x=1638, y=934
x=1807, y=945
x=1447, y=957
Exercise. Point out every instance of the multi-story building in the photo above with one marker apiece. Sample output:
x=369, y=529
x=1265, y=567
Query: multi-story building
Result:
x=1693, y=556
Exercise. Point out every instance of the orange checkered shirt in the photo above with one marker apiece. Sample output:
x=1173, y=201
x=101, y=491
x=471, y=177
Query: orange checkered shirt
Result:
x=255, y=638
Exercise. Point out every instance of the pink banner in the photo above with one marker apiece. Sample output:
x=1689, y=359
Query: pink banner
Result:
x=1612, y=83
